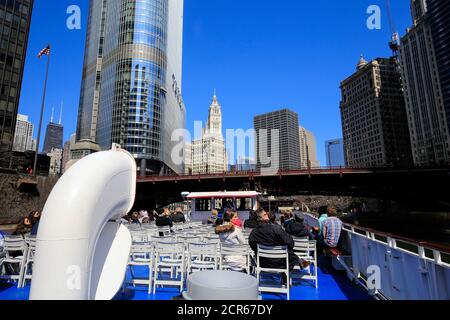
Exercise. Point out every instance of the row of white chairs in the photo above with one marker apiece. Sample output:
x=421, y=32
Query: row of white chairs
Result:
x=19, y=257
x=178, y=259
x=189, y=252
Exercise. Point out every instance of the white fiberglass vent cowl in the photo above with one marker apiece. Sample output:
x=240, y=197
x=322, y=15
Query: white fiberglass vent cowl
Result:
x=82, y=252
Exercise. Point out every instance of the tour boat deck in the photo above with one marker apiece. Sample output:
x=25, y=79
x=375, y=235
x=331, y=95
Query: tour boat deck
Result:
x=332, y=286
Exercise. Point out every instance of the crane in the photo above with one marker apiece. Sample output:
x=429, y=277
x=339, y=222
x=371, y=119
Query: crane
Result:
x=394, y=44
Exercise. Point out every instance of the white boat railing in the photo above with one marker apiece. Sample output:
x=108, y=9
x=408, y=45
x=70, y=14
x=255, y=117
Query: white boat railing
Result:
x=394, y=267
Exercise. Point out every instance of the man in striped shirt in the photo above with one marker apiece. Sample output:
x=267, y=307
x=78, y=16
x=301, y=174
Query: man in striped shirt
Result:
x=331, y=229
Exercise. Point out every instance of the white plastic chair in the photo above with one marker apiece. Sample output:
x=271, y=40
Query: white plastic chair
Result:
x=138, y=236
x=26, y=271
x=307, y=250
x=202, y=256
x=13, y=245
x=169, y=258
x=229, y=252
x=141, y=255
x=278, y=253
x=164, y=231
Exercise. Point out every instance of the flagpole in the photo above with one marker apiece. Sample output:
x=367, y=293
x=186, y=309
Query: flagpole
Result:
x=42, y=115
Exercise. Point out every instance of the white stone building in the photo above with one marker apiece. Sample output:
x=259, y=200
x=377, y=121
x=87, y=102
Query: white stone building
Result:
x=56, y=156
x=209, y=153
x=23, y=137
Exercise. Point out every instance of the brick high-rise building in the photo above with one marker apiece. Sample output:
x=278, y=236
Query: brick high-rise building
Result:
x=373, y=115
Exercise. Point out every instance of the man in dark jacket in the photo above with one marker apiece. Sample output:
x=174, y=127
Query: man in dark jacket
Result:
x=252, y=221
x=163, y=218
x=273, y=235
x=295, y=227
x=178, y=216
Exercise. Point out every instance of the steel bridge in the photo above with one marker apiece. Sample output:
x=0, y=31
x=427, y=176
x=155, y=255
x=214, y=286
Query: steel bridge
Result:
x=422, y=187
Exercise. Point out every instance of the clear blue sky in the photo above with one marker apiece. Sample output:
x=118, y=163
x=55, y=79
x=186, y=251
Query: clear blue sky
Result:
x=259, y=55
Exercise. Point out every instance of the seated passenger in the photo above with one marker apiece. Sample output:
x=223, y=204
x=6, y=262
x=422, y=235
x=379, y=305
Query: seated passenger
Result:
x=144, y=217
x=229, y=234
x=214, y=217
x=295, y=226
x=235, y=220
x=272, y=217
x=163, y=218
x=35, y=218
x=178, y=216
x=23, y=228
x=323, y=215
x=331, y=229
x=134, y=219
x=273, y=235
x=252, y=221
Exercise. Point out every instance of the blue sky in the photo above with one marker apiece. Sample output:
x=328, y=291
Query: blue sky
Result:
x=259, y=55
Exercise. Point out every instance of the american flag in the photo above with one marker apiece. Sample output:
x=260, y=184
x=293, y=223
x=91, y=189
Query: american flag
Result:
x=45, y=51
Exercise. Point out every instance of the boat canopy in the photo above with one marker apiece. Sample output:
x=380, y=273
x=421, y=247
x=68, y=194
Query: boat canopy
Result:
x=223, y=194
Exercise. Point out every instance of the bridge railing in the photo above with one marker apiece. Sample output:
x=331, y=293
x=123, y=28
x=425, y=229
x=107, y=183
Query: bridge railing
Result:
x=246, y=173
x=392, y=266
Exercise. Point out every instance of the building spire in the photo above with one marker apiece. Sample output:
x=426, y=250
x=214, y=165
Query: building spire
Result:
x=361, y=63
x=53, y=113
x=60, y=113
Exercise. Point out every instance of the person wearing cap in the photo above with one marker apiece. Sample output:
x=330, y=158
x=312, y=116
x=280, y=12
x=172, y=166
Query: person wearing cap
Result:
x=295, y=226
x=252, y=221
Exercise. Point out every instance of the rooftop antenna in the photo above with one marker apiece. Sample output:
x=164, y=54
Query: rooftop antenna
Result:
x=60, y=114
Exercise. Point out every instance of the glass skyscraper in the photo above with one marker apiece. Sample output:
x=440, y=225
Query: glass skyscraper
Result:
x=15, y=17
x=131, y=88
x=334, y=150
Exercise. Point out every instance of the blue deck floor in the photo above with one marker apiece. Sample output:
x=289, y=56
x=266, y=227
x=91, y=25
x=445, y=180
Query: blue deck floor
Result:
x=332, y=286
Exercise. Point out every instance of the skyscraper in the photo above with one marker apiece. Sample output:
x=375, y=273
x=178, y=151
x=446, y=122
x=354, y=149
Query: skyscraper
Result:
x=439, y=19
x=425, y=59
x=208, y=152
x=373, y=116
x=131, y=87
x=23, y=137
x=53, y=136
x=277, y=140
x=334, y=150
x=308, y=149
x=15, y=18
